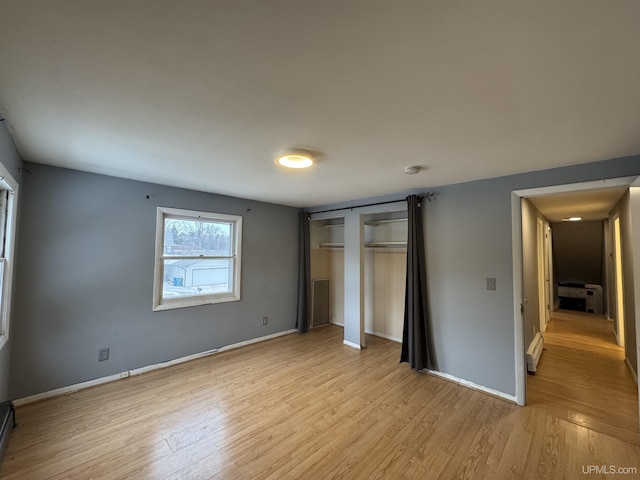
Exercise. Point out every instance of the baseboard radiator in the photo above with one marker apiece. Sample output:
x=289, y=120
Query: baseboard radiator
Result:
x=534, y=352
x=8, y=421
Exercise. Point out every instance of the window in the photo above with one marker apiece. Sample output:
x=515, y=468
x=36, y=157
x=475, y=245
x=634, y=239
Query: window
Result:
x=197, y=258
x=8, y=194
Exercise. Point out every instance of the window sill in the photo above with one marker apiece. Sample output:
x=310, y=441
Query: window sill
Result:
x=194, y=302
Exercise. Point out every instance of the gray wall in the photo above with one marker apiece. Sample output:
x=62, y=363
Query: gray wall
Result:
x=578, y=248
x=468, y=235
x=85, y=279
x=12, y=161
x=468, y=238
x=86, y=268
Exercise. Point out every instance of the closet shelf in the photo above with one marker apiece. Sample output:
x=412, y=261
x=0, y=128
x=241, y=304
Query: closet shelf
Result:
x=332, y=245
x=386, y=244
x=366, y=245
x=374, y=223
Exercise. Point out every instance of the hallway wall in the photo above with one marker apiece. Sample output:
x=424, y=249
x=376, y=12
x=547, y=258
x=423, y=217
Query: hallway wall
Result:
x=531, y=314
x=578, y=247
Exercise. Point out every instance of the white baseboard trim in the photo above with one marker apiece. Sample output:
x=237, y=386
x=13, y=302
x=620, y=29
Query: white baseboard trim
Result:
x=70, y=389
x=169, y=363
x=384, y=335
x=446, y=376
x=139, y=371
x=633, y=374
x=188, y=358
x=609, y=319
x=471, y=385
x=351, y=344
x=371, y=332
x=615, y=333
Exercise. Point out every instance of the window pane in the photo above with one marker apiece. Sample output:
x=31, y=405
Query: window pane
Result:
x=197, y=277
x=195, y=237
x=198, y=257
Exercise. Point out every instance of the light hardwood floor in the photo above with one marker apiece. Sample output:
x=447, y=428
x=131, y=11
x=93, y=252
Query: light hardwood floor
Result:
x=300, y=407
x=582, y=377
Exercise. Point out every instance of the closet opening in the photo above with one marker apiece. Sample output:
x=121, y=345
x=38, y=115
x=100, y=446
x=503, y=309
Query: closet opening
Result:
x=383, y=251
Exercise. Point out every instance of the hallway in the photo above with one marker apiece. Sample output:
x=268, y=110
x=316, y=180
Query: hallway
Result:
x=582, y=377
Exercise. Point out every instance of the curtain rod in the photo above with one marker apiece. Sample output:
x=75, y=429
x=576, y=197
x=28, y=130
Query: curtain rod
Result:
x=427, y=195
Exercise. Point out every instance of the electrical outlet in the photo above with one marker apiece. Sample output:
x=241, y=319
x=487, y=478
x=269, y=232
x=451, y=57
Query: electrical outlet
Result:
x=491, y=283
x=103, y=354
x=265, y=320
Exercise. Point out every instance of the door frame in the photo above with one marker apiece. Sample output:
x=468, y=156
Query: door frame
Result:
x=633, y=183
x=618, y=280
x=541, y=274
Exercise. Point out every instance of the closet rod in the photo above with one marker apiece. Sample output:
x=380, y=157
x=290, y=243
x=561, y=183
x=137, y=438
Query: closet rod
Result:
x=427, y=195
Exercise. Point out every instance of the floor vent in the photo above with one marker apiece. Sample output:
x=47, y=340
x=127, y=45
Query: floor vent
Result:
x=534, y=352
x=8, y=421
x=320, y=303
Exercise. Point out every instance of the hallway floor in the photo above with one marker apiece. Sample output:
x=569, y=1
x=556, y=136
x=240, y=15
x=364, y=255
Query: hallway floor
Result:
x=582, y=377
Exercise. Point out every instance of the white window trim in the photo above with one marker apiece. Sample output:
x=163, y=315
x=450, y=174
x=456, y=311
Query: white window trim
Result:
x=8, y=183
x=160, y=303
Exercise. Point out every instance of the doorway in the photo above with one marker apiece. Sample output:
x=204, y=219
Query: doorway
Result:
x=621, y=211
x=588, y=191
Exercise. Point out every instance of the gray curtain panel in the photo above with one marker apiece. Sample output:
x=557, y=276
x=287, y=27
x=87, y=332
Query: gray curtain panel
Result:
x=415, y=336
x=303, y=321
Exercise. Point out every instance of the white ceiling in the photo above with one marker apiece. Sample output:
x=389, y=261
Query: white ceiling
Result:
x=202, y=94
x=587, y=204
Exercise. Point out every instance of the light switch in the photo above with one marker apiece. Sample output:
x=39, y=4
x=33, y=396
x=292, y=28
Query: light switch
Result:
x=491, y=283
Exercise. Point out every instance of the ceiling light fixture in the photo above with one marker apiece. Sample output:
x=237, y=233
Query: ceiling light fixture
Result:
x=295, y=159
x=572, y=219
